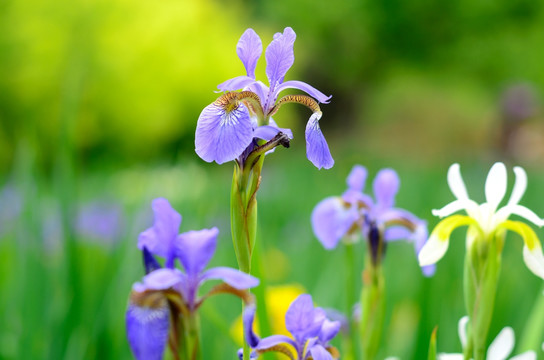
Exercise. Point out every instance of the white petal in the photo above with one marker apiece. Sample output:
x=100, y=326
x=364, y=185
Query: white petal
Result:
x=502, y=346
x=534, y=260
x=468, y=205
x=527, y=214
x=495, y=185
x=519, y=186
x=443, y=356
x=455, y=181
x=432, y=251
x=462, y=330
x=528, y=355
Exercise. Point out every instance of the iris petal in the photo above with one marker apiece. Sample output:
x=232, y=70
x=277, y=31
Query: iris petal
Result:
x=317, y=149
x=495, y=185
x=386, y=185
x=249, y=50
x=147, y=330
x=235, y=278
x=196, y=248
x=222, y=135
x=357, y=178
x=308, y=89
x=280, y=56
x=331, y=220
x=319, y=353
x=236, y=83
x=502, y=346
x=455, y=182
x=519, y=186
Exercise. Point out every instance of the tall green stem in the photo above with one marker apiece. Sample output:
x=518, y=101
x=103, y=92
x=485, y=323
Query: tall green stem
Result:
x=191, y=333
x=482, y=268
x=351, y=343
x=373, y=308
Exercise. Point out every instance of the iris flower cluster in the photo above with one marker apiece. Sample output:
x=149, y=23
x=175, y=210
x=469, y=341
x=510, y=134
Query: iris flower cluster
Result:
x=231, y=127
x=310, y=329
x=378, y=220
x=167, y=296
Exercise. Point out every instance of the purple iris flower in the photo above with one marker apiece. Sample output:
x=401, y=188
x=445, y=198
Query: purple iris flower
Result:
x=380, y=222
x=167, y=290
x=310, y=329
x=229, y=125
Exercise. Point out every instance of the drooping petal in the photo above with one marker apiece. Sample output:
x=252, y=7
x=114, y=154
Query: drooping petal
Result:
x=386, y=185
x=495, y=185
x=319, y=353
x=317, y=150
x=532, y=250
x=236, y=83
x=455, y=182
x=247, y=318
x=331, y=220
x=502, y=346
x=221, y=134
x=438, y=242
x=160, y=279
x=357, y=178
x=308, y=89
x=249, y=50
x=196, y=248
x=147, y=329
x=235, y=278
x=302, y=319
x=518, y=210
x=159, y=239
x=280, y=56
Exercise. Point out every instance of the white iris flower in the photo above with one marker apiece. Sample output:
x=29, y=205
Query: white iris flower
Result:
x=486, y=220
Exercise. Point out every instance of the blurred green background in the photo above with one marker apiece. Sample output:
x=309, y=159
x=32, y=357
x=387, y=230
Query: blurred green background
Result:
x=98, y=107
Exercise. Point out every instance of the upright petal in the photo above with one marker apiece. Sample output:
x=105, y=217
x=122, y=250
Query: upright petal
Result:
x=196, y=248
x=147, y=328
x=308, y=89
x=456, y=183
x=328, y=331
x=235, y=278
x=159, y=238
x=519, y=186
x=280, y=56
x=317, y=149
x=462, y=330
x=357, y=178
x=222, y=134
x=386, y=185
x=160, y=279
x=502, y=346
x=331, y=220
x=302, y=319
x=249, y=50
x=495, y=185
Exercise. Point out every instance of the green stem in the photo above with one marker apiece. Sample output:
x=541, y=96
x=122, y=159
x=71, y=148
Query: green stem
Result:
x=191, y=328
x=351, y=343
x=373, y=308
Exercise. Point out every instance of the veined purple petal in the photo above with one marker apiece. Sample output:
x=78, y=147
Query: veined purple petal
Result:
x=317, y=149
x=280, y=56
x=272, y=122
x=248, y=317
x=357, y=178
x=196, y=248
x=331, y=220
x=160, y=279
x=302, y=319
x=249, y=50
x=308, y=89
x=222, y=135
x=159, y=239
x=236, y=83
x=328, y=331
x=386, y=185
x=271, y=341
x=259, y=88
x=318, y=352
x=235, y=278
x=147, y=330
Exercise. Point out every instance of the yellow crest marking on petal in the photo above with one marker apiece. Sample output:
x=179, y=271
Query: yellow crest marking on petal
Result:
x=525, y=231
x=445, y=227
